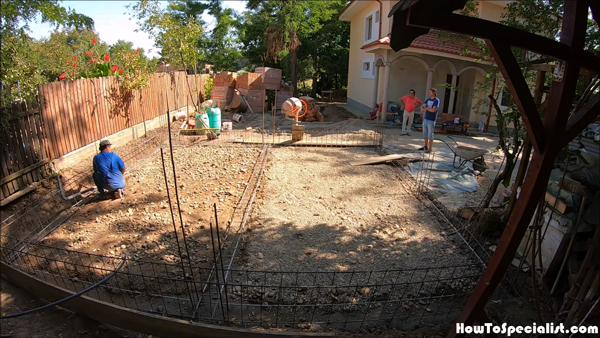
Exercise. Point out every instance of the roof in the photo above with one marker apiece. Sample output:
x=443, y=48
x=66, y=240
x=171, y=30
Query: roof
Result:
x=432, y=41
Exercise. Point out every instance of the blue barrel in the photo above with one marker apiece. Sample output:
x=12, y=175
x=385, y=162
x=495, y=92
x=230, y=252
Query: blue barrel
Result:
x=204, y=118
x=214, y=116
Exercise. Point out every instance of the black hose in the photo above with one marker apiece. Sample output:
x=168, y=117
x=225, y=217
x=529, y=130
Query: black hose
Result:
x=68, y=298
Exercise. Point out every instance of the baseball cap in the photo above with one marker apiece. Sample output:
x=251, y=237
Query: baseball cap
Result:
x=105, y=143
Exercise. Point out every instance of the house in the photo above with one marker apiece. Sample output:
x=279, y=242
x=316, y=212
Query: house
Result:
x=377, y=72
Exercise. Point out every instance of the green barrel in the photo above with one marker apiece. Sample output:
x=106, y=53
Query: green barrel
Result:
x=214, y=116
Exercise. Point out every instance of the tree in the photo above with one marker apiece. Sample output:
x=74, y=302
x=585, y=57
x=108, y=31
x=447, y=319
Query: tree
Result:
x=175, y=33
x=17, y=62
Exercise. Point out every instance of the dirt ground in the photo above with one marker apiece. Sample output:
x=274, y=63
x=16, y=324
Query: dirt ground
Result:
x=140, y=223
x=317, y=212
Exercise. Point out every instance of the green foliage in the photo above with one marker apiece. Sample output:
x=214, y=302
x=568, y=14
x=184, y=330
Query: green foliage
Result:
x=176, y=33
x=208, y=88
x=19, y=59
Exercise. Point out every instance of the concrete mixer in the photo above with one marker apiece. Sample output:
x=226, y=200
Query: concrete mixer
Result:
x=301, y=109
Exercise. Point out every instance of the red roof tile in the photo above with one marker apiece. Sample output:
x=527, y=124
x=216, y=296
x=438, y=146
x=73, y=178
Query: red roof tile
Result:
x=431, y=41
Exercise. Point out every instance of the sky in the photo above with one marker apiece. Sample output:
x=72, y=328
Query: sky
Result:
x=112, y=23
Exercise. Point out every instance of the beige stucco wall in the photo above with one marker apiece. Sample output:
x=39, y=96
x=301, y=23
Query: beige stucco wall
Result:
x=359, y=89
x=407, y=74
x=492, y=10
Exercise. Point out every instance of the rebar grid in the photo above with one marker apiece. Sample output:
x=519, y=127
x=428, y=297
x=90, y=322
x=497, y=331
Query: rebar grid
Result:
x=472, y=239
x=336, y=299
x=312, y=137
x=345, y=300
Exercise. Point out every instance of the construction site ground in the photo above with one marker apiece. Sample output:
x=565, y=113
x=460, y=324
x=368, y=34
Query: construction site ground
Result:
x=314, y=211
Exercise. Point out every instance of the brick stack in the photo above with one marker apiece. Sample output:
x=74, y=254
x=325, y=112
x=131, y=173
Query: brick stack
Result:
x=283, y=94
x=223, y=85
x=251, y=86
x=223, y=79
x=271, y=77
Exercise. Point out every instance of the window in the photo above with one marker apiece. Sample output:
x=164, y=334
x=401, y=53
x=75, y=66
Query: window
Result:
x=369, y=28
x=372, y=26
x=368, y=68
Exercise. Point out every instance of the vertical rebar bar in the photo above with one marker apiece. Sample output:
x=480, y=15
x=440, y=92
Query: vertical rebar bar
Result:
x=221, y=260
x=212, y=239
x=162, y=156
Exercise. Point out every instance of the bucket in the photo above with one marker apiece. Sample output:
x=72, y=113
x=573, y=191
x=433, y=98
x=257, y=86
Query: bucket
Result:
x=227, y=126
x=214, y=117
x=204, y=118
x=237, y=118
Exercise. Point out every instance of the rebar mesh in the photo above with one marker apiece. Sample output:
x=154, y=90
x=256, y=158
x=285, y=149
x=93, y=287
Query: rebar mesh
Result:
x=344, y=300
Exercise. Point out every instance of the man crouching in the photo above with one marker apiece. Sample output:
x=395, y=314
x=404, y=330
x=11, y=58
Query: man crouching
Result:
x=108, y=171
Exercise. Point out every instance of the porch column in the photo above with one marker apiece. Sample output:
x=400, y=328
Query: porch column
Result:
x=386, y=80
x=375, y=88
x=452, y=94
x=429, y=83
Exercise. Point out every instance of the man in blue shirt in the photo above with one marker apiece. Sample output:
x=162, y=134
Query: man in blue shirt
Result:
x=108, y=171
x=430, y=108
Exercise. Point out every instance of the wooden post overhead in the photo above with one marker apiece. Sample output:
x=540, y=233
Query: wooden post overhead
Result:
x=548, y=137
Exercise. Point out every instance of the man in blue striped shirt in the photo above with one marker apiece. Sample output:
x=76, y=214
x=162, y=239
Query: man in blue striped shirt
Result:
x=430, y=108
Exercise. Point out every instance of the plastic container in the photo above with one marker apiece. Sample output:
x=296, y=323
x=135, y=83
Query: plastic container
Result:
x=204, y=118
x=214, y=117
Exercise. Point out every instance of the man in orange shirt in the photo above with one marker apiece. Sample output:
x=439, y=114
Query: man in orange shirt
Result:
x=409, y=102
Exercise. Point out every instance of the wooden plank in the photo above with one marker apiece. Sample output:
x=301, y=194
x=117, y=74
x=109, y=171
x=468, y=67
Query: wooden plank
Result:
x=63, y=114
x=576, y=188
x=30, y=153
x=63, y=140
x=379, y=159
x=42, y=123
x=557, y=204
x=94, y=108
x=74, y=105
x=13, y=176
x=85, y=113
x=4, y=163
x=13, y=197
x=80, y=113
x=19, y=152
x=42, y=138
x=100, y=108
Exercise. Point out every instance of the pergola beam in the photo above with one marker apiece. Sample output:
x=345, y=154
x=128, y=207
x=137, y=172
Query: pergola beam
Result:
x=520, y=92
x=581, y=119
x=550, y=135
x=515, y=37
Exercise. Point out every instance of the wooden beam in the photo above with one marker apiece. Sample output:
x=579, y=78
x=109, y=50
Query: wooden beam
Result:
x=520, y=92
x=550, y=68
x=581, y=119
x=489, y=30
x=16, y=195
x=22, y=172
x=534, y=188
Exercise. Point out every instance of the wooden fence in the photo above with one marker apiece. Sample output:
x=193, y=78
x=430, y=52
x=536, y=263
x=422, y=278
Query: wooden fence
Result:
x=24, y=157
x=73, y=114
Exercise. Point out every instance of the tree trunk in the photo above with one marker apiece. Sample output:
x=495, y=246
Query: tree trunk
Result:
x=293, y=70
x=315, y=60
x=508, y=168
